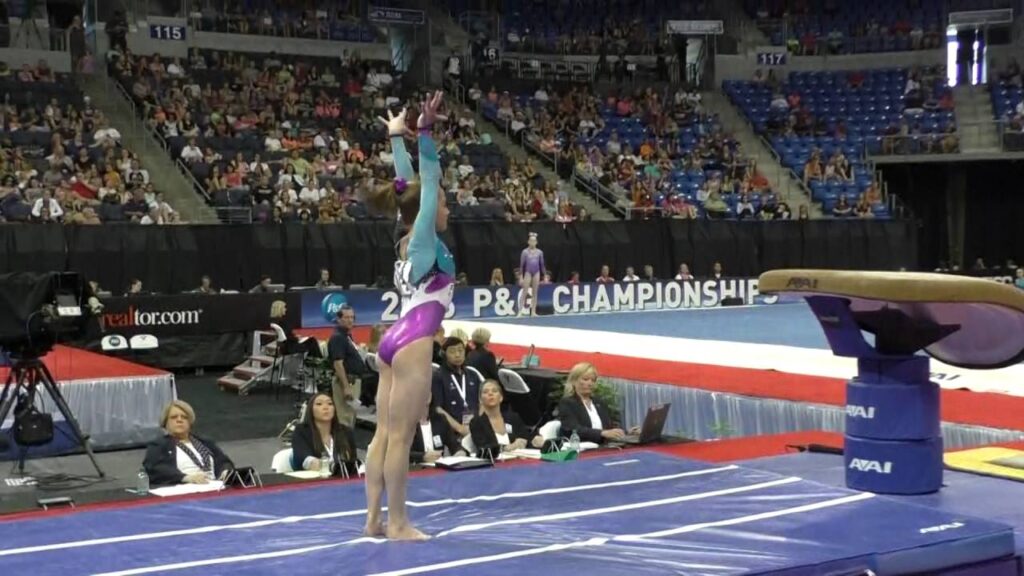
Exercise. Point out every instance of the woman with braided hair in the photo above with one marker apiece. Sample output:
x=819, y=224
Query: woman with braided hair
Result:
x=425, y=277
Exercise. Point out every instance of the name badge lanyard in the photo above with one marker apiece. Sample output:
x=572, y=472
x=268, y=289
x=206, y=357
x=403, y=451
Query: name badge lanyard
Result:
x=461, y=389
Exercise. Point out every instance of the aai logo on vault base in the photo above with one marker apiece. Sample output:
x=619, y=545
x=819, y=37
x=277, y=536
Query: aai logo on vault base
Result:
x=330, y=305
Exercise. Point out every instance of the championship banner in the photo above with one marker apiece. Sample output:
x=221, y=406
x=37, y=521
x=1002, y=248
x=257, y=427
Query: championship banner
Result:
x=319, y=309
x=198, y=314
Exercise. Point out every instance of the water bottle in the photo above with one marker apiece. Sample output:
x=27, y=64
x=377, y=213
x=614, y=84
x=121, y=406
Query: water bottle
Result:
x=325, y=466
x=574, y=442
x=142, y=483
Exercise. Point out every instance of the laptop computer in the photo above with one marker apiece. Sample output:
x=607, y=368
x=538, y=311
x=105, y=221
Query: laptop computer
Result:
x=654, y=425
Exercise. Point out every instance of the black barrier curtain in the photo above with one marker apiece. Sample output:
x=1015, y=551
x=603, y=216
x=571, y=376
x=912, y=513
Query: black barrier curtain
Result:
x=170, y=259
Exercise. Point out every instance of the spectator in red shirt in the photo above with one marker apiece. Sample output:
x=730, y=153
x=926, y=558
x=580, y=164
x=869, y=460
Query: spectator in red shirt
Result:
x=605, y=277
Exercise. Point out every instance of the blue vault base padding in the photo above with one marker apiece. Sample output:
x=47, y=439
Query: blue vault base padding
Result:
x=629, y=514
x=893, y=439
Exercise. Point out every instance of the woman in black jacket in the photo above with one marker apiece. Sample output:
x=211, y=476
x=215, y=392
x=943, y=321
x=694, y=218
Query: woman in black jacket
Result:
x=321, y=433
x=181, y=457
x=494, y=432
x=581, y=412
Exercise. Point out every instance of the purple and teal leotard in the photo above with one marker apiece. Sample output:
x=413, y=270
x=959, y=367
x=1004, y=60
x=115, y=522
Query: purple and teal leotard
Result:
x=426, y=278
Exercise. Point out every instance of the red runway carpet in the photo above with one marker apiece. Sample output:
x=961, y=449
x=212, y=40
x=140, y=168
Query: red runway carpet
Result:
x=67, y=364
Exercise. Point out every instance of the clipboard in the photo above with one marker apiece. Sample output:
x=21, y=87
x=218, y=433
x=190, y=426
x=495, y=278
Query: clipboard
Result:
x=456, y=463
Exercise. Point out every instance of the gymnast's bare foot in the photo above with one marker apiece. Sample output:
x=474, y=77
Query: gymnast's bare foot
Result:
x=406, y=532
x=374, y=529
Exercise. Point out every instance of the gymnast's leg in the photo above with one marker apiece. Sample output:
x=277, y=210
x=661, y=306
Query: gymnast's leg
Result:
x=524, y=290
x=410, y=390
x=376, y=453
x=534, y=292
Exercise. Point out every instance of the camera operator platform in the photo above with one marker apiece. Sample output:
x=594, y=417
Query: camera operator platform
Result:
x=34, y=310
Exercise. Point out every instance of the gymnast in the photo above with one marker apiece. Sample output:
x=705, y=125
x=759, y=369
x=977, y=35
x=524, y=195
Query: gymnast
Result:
x=531, y=268
x=425, y=277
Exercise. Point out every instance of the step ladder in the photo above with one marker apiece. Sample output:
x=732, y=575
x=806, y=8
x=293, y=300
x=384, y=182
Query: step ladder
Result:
x=248, y=375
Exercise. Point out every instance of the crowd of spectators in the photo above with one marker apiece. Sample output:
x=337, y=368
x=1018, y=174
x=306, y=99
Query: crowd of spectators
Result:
x=812, y=27
x=1008, y=104
x=60, y=160
x=658, y=154
x=315, y=149
x=314, y=19
x=606, y=27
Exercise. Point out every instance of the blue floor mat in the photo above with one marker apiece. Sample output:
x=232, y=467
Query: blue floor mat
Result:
x=640, y=513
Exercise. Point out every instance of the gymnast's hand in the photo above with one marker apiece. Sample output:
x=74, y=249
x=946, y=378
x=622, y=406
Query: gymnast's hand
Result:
x=429, y=109
x=395, y=123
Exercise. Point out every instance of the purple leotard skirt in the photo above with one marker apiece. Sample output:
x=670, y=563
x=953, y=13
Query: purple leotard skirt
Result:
x=420, y=322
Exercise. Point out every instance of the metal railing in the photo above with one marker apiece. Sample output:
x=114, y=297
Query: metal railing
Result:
x=601, y=193
x=30, y=35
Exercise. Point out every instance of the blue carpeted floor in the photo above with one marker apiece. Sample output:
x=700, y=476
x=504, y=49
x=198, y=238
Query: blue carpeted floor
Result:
x=782, y=324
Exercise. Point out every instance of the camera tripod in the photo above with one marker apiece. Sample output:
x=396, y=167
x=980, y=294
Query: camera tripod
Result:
x=27, y=374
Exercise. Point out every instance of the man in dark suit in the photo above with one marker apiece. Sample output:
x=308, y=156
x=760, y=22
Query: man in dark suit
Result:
x=348, y=364
x=456, y=390
x=480, y=357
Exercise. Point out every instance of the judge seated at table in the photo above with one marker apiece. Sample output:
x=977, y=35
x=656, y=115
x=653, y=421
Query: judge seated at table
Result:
x=320, y=433
x=494, y=431
x=433, y=437
x=582, y=412
x=481, y=357
x=456, y=390
x=181, y=457
x=292, y=344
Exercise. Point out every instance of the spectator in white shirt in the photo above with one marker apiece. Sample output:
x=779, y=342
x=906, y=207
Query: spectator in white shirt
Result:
x=465, y=168
x=541, y=95
x=137, y=173
x=630, y=275
x=684, y=272
x=311, y=192
x=322, y=140
x=105, y=134
x=53, y=207
x=272, y=143
x=175, y=69
x=614, y=146
x=191, y=152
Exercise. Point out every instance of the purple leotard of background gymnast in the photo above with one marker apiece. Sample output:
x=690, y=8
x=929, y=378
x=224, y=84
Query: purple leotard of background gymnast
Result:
x=531, y=261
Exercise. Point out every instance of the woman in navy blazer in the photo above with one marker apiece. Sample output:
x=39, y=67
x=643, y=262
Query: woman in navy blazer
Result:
x=494, y=432
x=181, y=457
x=319, y=433
x=578, y=409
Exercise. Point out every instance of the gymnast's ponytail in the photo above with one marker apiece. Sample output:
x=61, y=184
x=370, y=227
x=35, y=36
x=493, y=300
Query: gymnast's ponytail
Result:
x=396, y=197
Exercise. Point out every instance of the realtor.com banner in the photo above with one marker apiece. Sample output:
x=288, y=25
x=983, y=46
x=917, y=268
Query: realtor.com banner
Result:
x=382, y=306
x=197, y=314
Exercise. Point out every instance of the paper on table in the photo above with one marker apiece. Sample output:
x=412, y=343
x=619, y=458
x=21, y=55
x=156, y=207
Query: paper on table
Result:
x=182, y=489
x=304, y=474
x=531, y=453
x=456, y=460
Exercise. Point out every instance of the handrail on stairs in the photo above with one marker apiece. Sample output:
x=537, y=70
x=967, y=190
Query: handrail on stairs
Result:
x=147, y=135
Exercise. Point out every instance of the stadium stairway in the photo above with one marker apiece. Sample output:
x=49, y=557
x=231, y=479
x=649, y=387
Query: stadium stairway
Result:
x=783, y=181
x=513, y=150
x=741, y=26
x=975, y=119
x=163, y=172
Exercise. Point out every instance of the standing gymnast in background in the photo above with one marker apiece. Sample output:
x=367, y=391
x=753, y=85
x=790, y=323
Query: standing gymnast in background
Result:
x=425, y=277
x=531, y=268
